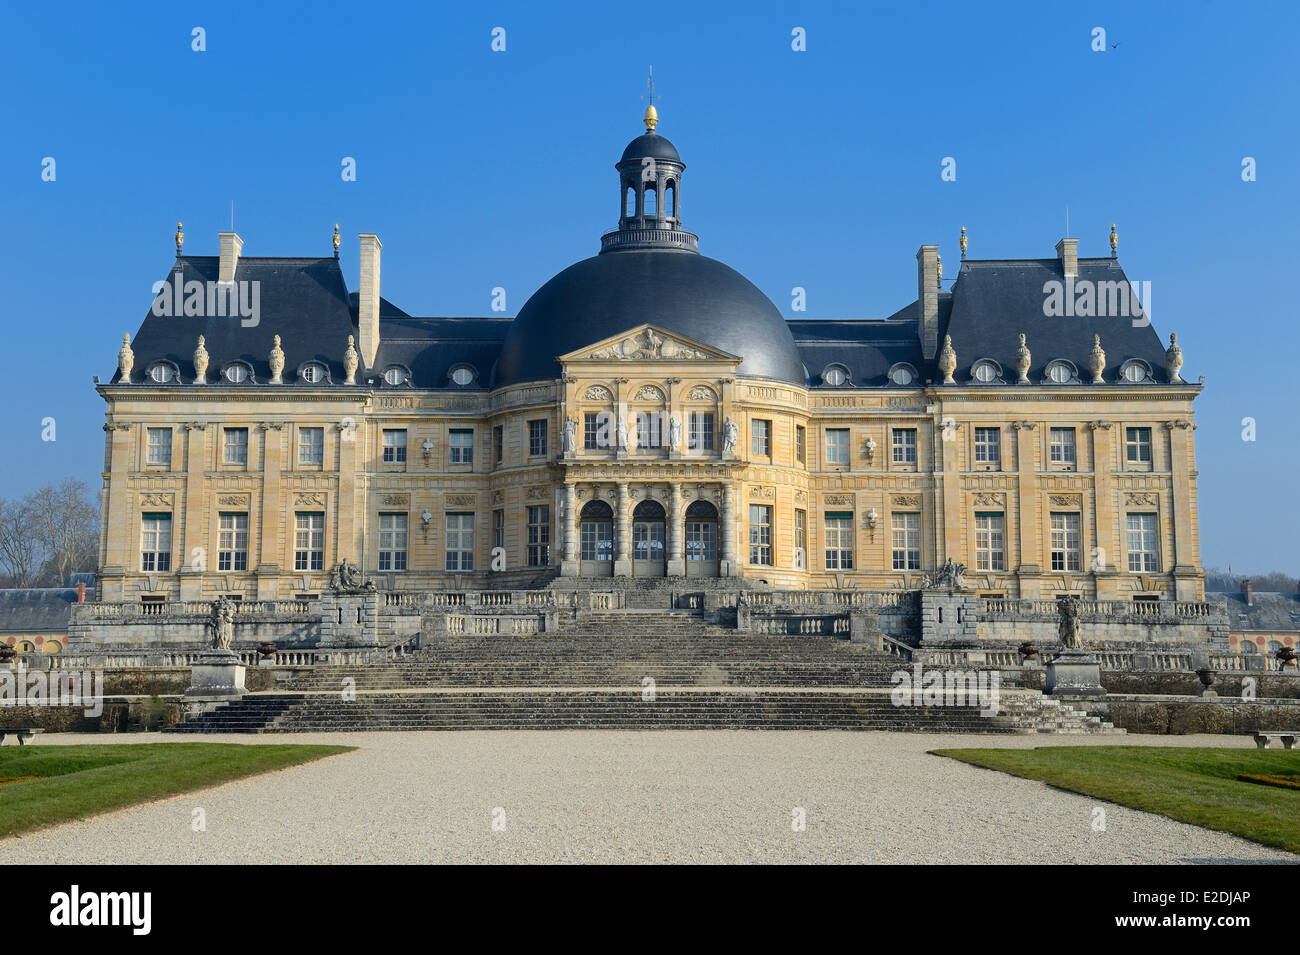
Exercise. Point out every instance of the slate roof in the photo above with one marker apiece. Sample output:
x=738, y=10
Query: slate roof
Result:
x=36, y=608
x=1268, y=611
x=994, y=301
x=306, y=302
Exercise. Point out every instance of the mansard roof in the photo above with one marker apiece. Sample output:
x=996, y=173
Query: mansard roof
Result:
x=36, y=608
x=303, y=300
x=994, y=301
x=306, y=302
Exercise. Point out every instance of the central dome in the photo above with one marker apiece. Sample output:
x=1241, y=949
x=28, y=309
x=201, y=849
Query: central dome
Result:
x=684, y=292
x=649, y=273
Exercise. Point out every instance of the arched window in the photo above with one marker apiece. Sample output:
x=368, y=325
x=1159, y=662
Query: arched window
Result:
x=701, y=511
x=670, y=199
x=629, y=202
x=597, y=511
x=1135, y=371
x=1061, y=372
x=648, y=511
x=986, y=371
x=650, y=197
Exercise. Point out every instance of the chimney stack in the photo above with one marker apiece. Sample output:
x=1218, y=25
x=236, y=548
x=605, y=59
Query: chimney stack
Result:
x=81, y=592
x=231, y=246
x=1248, y=592
x=368, y=298
x=927, y=299
x=1068, y=252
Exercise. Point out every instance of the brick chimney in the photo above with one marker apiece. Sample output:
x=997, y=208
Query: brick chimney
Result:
x=368, y=298
x=927, y=299
x=231, y=246
x=1248, y=592
x=81, y=592
x=1068, y=252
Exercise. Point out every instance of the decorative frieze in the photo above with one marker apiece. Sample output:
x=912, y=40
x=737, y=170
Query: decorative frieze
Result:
x=701, y=393
x=838, y=500
x=1065, y=500
x=906, y=500
x=157, y=499
x=649, y=393
x=763, y=493
x=232, y=500
x=461, y=500
x=309, y=500
x=597, y=393
x=1142, y=500
x=990, y=500
x=396, y=500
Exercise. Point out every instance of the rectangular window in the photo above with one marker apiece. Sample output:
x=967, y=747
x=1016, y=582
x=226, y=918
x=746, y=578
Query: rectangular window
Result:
x=904, y=445
x=392, y=542
x=235, y=446
x=1066, y=541
x=160, y=446
x=232, y=542
x=1137, y=445
x=988, y=446
x=700, y=434
x=907, y=541
x=539, y=536
x=990, y=542
x=1061, y=446
x=460, y=541
x=760, y=432
x=309, y=541
x=760, y=534
x=591, y=430
x=1143, y=557
x=156, y=543
x=311, y=445
x=499, y=443
x=649, y=434
x=801, y=539
x=499, y=529
x=839, y=540
x=801, y=444
x=837, y=447
x=394, y=445
x=462, y=445
x=537, y=438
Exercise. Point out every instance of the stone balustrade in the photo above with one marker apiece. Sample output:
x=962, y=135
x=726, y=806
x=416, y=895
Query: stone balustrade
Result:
x=1002, y=608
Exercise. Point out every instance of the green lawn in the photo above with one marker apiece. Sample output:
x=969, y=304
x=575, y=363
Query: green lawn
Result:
x=1194, y=785
x=72, y=782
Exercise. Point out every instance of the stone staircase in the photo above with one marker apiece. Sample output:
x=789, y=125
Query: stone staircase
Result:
x=628, y=669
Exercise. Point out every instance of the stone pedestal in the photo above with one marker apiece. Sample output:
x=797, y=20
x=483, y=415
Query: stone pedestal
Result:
x=1074, y=673
x=676, y=567
x=622, y=567
x=568, y=568
x=216, y=675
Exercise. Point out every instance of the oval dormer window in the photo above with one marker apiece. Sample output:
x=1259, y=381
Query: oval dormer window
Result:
x=236, y=374
x=162, y=373
x=1135, y=371
x=985, y=371
x=396, y=376
x=1060, y=372
x=835, y=375
x=463, y=375
x=313, y=373
x=902, y=375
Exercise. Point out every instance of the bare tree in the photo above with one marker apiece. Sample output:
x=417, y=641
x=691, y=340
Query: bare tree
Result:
x=67, y=521
x=21, y=548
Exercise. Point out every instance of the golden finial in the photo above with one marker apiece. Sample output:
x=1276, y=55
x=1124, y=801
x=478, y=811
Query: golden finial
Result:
x=336, y=240
x=180, y=239
x=651, y=117
x=1114, y=241
x=963, y=242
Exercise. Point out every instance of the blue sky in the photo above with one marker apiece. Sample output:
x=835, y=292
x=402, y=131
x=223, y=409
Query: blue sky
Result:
x=818, y=169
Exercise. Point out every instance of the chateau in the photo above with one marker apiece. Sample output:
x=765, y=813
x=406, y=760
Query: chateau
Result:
x=649, y=413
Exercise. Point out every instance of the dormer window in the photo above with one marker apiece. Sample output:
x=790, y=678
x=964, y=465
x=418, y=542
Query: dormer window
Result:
x=902, y=374
x=1061, y=372
x=986, y=371
x=396, y=375
x=463, y=375
x=835, y=375
x=313, y=372
x=1135, y=371
x=237, y=373
x=162, y=372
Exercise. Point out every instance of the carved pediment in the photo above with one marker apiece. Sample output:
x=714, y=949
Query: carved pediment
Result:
x=648, y=343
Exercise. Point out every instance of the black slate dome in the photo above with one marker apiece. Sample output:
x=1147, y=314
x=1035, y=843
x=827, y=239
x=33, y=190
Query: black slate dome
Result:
x=649, y=272
x=652, y=145
x=684, y=292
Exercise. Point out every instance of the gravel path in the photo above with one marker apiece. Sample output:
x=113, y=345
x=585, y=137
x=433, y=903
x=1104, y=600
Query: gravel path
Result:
x=708, y=796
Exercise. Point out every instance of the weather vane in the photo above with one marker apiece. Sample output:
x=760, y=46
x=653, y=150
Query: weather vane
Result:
x=651, y=114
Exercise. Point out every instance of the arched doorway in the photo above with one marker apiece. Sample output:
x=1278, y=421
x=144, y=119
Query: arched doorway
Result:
x=596, y=540
x=701, y=540
x=648, y=526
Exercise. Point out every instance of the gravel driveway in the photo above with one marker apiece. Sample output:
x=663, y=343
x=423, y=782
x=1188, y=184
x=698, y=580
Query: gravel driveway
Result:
x=596, y=796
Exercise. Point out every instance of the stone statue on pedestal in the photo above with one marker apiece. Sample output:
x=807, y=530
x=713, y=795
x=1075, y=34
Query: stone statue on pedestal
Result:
x=730, y=432
x=222, y=623
x=950, y=574
x=1068, y=607
x=347, y=579
x=570, y=434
